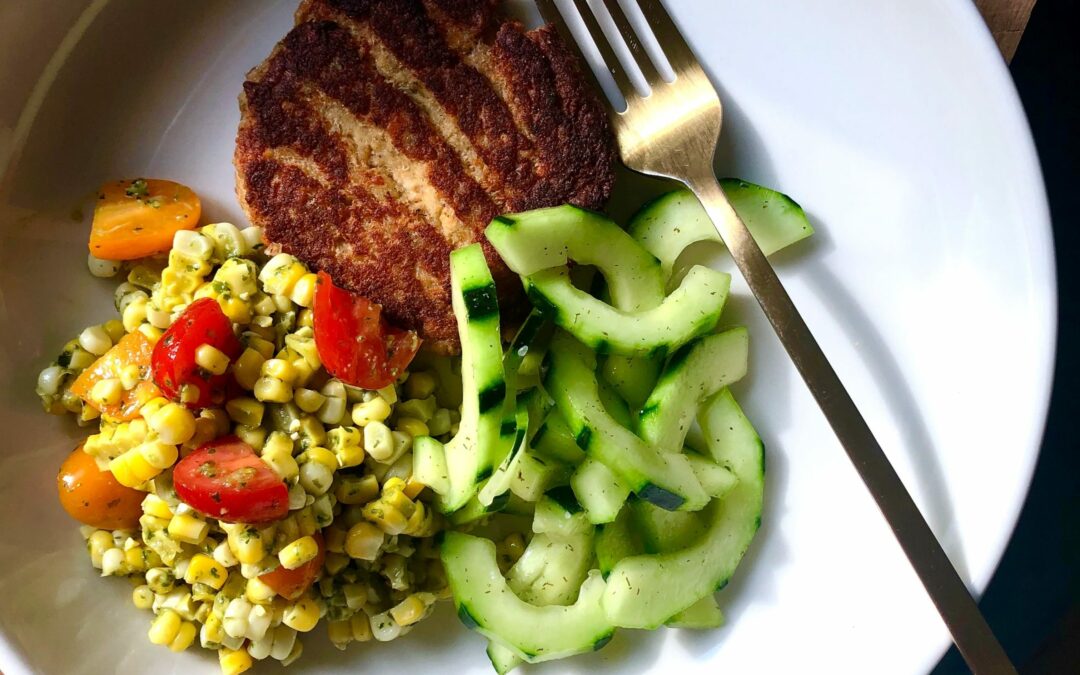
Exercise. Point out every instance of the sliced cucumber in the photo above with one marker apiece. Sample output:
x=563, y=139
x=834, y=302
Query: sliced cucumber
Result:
x=534, y=475
x=644, y=591
x=616, y=540
x=554, y=440
x=691, y=310
x=480, y=444
x=715, y=478
x=545, y=238
x=668, y=225
x=702, y=615
x=664, y=479
x=429, y=464
x=552, y=569
x=693, y=374
x=473, y=511
x=486, y=604
x=503, y=660
x=633, y=378
x=599, y=491
x=559, y=515
x=531, y=338
x=664, y=531
x=500, y=481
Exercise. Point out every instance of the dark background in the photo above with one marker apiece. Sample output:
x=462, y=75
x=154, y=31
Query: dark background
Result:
x=1033, y=601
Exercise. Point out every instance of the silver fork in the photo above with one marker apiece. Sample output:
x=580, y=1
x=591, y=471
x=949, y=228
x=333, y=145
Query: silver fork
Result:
x=672, y=132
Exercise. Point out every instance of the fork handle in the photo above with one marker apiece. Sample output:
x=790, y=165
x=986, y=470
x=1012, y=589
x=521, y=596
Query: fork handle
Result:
x=970, y=632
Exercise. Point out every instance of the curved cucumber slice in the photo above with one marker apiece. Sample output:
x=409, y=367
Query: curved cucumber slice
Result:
x=551, y=570
x=545, y=238
x=486, y=604
x=633, y=378
x=499, y=483
x=668, y=225
x=554, y=440
x=616, y=540
x=559, y=515
x=644, y=591
x=429, y=464
x=503, y=660
x=599, y=491
x=664, y=479
x=693, y=374
x=480, y=444
x=691, y=310
x=703, y=614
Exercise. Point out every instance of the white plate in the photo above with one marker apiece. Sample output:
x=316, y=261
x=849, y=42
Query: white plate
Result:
x=930, y=283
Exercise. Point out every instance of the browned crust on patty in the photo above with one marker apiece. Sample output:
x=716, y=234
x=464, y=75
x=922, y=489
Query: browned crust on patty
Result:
x=381, y=134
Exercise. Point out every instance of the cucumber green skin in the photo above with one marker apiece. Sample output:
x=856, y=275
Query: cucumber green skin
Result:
x=545, y=238
x=670, y=224
x=701, y=615
x=644, y=591
x=480, y=445
x=551, y=517
x=499, y=483
x=689, y=311
x=693, y=374
x=664, y=479
x=599, y=490
x=486, y=604
x=535, y=475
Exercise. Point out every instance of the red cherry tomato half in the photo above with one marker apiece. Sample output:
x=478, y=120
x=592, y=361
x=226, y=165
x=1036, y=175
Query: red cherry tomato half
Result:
x=355, y=342
x=291, y=584
x=173, y=359
x=226, y=480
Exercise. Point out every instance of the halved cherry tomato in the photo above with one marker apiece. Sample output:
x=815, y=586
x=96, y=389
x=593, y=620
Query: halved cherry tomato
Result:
x=226, y=480
x=138, y=218
x=93, y=497
x=355, y=342
x=291, y=584
x=134, y=349
x=173, y=359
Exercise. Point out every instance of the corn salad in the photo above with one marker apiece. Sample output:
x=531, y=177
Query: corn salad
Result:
x=343, y=453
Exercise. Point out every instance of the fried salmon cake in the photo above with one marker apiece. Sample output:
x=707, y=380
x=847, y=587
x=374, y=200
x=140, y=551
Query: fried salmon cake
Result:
x=379, y=135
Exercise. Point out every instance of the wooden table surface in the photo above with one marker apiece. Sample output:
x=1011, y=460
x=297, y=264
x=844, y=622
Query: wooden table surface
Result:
x=1007, y=20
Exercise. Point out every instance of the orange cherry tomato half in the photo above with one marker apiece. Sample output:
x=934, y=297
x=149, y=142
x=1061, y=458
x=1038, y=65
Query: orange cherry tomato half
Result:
x=134, y=349
x=93, y=497
x=138, y=218
x=291, y=584
x=355, y=342
x=226, y=480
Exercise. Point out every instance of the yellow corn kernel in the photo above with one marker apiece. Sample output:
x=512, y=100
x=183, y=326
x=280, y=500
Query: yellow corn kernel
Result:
x=412, y=426
x=160, y=580
x=131, y=469
x=340, y=633
x=184, y=637
x=246, y=542
x=188, y=529
x=155, y=404
x=202, y=569
x=97, y=544
x=364, y=541
x=308, y=400
x=130, y=376
x=413, y=487
x=134, y=560
x=361, y=627
x=134, y=314
x=315, y=476
x=234, y=661
x=173, y=423
x=420, y=385
x=334, y=539
x=352, y=489
x=306, y=523
x=335, y=562
x=296, y=652
x=158, y=454
x=264, y=347
x=280, y=274
x=312, y=431
x=246, y=411
x=280, y=369
x=302, y=615
x=142, y=597
x=320, y=455
x=258, y=592
x=303, y=291
x=409, y=611
x=156, y=506
x=253, y=436
x=375, y=410
x=106, y=392
x=281, y=461
x=273, y=390
x=247, y=367
x=298, y=553
x=387, y=518
x=165, y=627
x=306, y=318
x=212, y=359
x=378, y=441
